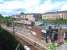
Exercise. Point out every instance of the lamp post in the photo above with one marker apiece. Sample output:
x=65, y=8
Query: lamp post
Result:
x=13, y=26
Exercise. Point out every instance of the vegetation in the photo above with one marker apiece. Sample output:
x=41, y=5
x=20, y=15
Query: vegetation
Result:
x=65, y=42
x=6, y=20
x=52, y=46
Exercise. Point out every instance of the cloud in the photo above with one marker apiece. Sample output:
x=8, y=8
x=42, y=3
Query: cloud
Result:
x=63, y=6
x=46, y=6
x=11, y=7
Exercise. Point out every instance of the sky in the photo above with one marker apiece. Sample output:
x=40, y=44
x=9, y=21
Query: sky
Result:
x=12, y=7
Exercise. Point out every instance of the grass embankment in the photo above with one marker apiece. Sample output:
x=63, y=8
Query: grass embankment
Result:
x=54, y=45
x=65, y=42
x=7, y=41
x=58, y=21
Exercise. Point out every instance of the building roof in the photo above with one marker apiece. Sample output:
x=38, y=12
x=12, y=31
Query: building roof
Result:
x=55, y=12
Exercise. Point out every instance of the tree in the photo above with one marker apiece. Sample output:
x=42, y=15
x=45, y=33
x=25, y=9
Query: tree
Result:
x=21, y=13
x=1, y=18
x=0, y=14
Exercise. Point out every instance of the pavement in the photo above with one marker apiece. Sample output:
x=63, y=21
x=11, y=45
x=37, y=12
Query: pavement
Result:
x=62, y=47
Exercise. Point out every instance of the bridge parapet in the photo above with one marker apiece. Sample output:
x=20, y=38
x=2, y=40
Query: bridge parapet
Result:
x=26, y=36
